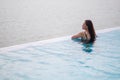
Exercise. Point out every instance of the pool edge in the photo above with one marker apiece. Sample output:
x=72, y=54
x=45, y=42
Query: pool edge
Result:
x=15, y=47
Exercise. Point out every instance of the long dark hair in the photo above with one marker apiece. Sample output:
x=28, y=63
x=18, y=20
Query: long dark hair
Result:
x=91, y=30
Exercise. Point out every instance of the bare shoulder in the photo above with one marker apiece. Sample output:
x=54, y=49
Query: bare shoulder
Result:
x=81, y=33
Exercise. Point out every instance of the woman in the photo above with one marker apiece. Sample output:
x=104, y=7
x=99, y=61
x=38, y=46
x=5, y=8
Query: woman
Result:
x=88, y=35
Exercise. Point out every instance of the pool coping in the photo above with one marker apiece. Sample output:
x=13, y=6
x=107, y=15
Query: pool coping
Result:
x=20, y=46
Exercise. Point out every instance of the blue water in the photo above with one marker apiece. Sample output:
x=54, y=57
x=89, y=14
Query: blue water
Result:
x=65, y=60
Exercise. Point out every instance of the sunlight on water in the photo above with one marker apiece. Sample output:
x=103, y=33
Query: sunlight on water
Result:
x=23, y=21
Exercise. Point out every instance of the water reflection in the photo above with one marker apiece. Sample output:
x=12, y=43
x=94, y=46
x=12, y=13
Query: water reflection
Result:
x=87, y=47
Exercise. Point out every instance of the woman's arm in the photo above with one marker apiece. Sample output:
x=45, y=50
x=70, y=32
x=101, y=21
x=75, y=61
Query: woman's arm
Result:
x=77, y=35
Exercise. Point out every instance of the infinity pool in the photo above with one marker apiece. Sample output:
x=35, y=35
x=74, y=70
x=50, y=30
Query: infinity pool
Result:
x=64, y=60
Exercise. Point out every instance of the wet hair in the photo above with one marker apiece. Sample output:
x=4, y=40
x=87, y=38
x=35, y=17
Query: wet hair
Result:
x=91, y=31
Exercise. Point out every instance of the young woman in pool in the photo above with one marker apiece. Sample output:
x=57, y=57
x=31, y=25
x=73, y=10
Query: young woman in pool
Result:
x=88, y=35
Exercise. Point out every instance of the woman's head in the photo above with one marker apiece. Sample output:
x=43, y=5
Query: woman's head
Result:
x=84, y=26
x=88, y=25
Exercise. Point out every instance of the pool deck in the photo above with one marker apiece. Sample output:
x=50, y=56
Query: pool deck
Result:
x=20, y=46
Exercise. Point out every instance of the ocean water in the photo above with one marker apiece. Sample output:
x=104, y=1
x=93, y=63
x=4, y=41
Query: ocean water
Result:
x=23, y=21
x=64, y=60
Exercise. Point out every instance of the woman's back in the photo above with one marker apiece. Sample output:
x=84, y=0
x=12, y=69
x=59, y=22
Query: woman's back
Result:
x=85, y=36
x=89, y=35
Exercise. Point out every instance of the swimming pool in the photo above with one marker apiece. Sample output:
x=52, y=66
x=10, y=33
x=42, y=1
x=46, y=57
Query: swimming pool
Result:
x=64, y=59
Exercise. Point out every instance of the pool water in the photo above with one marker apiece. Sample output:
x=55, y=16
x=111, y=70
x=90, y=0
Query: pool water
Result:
x=65, y=60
